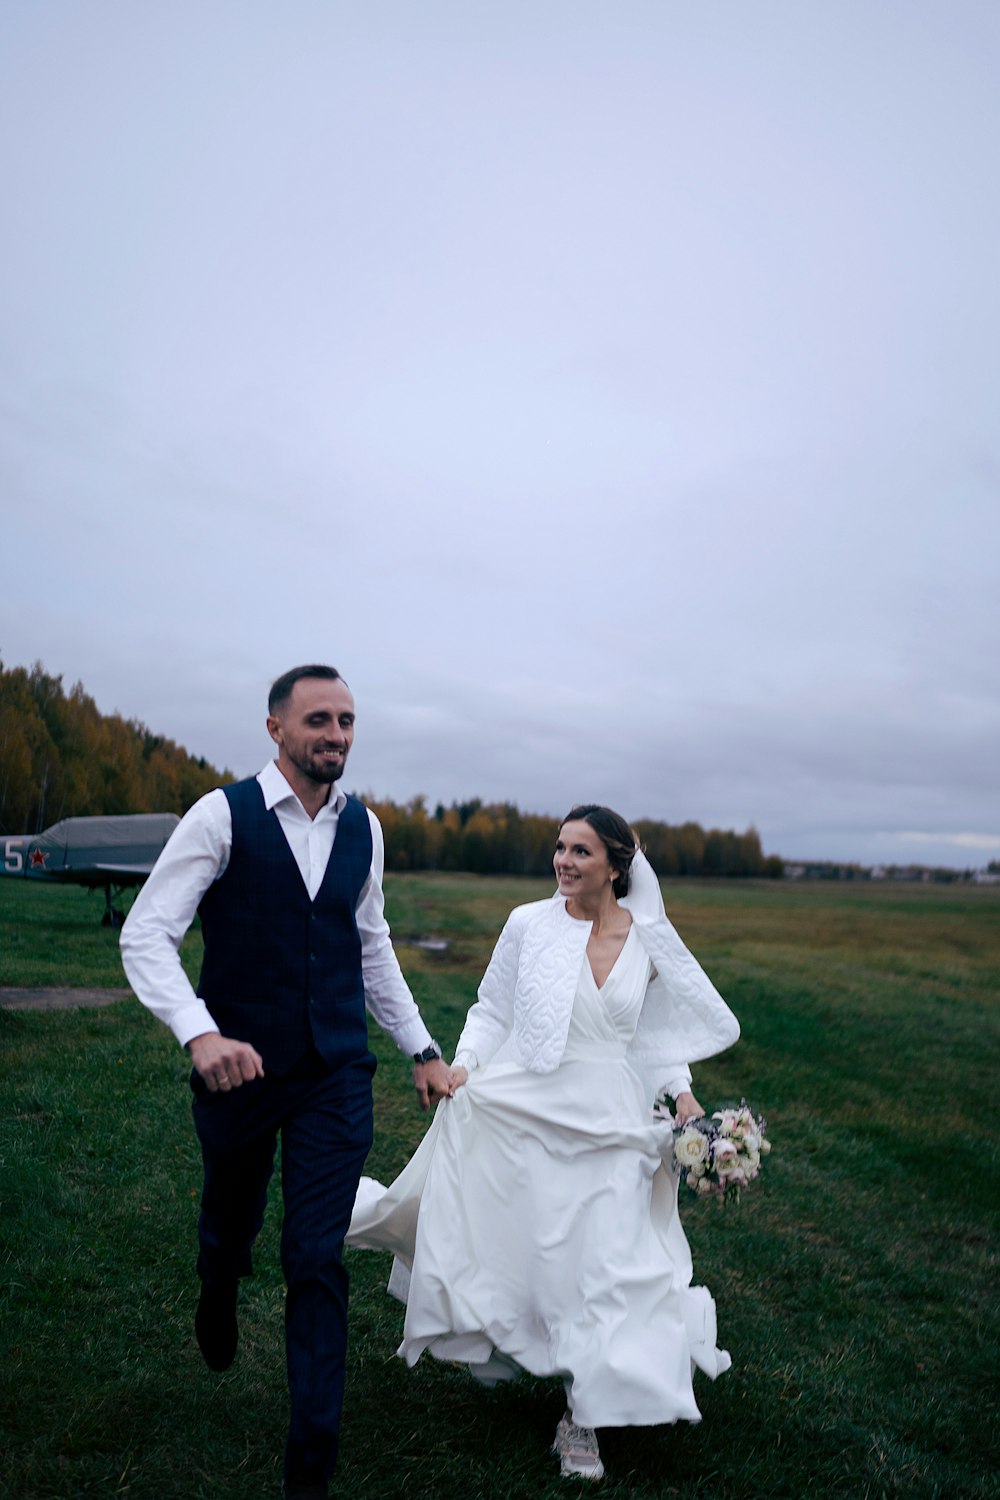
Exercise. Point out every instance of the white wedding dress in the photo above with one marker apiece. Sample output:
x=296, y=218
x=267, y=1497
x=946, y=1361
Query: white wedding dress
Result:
x=538, y=1223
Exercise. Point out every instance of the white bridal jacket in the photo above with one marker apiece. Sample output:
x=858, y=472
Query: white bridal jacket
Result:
x=526, y=996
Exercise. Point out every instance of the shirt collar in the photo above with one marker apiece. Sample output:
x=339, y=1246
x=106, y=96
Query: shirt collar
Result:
x=276, y=789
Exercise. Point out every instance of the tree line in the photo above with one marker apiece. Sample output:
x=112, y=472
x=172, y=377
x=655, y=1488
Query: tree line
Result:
x=498, y=839
x=61, y=757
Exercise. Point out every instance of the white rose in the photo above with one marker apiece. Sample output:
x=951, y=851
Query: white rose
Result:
x=704, y=1186
x=690, y=1148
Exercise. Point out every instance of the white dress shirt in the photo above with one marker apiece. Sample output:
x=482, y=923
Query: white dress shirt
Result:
x=197, y=854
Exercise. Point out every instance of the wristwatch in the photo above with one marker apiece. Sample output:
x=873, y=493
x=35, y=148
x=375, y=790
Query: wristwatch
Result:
x=429, y=1054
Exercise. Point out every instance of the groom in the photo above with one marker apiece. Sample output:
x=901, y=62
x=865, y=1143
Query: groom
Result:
x=286, y=874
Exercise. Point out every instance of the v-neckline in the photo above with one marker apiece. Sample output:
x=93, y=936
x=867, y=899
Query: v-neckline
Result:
x=600, y=987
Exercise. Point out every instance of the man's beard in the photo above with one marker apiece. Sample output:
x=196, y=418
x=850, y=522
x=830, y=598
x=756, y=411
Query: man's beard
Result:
x=323, y=772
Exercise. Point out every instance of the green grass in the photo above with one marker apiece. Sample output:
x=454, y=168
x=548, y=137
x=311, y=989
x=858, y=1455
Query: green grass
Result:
x=856, y=1286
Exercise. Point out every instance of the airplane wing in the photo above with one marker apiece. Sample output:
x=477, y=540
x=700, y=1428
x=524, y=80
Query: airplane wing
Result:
x=126, y=869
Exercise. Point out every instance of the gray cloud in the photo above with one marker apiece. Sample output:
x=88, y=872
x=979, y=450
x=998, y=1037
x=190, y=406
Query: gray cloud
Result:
x=611, y=393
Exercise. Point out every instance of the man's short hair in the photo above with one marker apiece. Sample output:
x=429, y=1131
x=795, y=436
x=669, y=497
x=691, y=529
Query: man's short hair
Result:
x=281, y=688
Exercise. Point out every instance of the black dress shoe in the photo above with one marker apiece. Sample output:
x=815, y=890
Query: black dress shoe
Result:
x=215, y=1324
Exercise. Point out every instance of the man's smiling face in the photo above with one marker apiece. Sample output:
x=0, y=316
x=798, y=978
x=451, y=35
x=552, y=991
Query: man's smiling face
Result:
x=314, y=730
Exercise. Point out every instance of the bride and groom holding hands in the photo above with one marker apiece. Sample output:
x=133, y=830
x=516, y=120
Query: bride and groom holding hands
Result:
x=535, y=1228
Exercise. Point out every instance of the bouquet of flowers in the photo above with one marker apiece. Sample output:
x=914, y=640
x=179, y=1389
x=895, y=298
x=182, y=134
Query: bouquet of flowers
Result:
x=720, y=1154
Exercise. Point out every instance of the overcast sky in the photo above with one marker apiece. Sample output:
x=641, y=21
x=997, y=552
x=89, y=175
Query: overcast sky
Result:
x=610, y=390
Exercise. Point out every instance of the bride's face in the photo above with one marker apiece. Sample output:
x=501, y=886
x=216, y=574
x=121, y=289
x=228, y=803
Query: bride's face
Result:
x=581, y=862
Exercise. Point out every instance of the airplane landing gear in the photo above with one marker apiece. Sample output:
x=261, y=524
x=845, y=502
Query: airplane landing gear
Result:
x=113, y=916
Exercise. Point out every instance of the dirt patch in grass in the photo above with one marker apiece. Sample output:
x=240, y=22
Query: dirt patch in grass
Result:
x=59, y=999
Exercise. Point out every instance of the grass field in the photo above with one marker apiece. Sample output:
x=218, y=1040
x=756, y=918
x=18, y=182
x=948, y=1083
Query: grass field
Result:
x=857, y=1285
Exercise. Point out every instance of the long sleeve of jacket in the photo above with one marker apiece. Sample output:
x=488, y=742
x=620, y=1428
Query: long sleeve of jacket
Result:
x=491, y=1018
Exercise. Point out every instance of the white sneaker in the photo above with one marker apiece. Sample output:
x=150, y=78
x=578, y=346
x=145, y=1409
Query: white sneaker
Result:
x=578, y=1452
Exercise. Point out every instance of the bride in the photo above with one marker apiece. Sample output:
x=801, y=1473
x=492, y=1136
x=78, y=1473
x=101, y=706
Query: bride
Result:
x=536, y=1226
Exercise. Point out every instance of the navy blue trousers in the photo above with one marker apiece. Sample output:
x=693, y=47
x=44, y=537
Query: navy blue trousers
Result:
x=324, y=1119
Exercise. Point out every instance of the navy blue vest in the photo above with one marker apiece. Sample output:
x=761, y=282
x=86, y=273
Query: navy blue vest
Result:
x=281, y=971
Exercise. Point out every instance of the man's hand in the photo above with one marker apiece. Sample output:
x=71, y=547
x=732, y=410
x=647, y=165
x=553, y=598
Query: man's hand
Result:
x=222, y=1063
x=433, y=1081
x=687, y=1107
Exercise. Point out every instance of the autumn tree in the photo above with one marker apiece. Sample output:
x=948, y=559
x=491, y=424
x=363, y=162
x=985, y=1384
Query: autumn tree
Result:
x=61, y=757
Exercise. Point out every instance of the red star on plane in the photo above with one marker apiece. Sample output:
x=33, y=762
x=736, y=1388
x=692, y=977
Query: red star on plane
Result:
x=38, y=859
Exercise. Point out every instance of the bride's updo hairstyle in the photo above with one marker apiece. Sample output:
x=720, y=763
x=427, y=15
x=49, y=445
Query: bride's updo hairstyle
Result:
x=614, y=833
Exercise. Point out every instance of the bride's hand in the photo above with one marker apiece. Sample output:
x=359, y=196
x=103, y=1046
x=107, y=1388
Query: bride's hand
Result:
x=687, y=1107
x=458, y=1077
